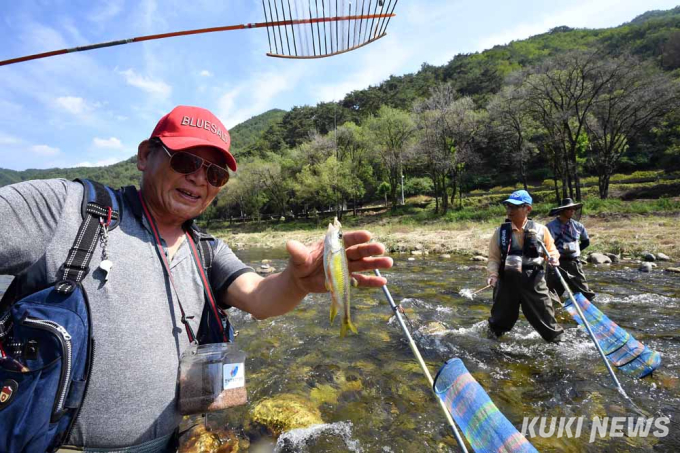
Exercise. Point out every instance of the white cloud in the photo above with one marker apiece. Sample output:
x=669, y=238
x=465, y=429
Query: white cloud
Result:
x=577, y=14
x=107, y=11
x=73, y=104
x=110, y=143
x=44, y=150
x=100, y=163
x=257, y=93
x=6, y=139
x=205, y=73
x=156, y=87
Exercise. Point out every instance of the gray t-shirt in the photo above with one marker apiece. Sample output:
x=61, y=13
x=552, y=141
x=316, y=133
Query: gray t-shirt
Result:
x=131, y=397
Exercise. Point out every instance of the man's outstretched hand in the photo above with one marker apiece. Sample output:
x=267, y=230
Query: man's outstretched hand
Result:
x=306, y=262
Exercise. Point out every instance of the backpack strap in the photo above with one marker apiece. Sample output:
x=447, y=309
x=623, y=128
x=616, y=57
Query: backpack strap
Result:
x=100, y=211
x=215, y=326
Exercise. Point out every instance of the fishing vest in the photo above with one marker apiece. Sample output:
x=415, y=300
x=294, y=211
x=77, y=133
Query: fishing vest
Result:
x=567, y=237
x=530, y=253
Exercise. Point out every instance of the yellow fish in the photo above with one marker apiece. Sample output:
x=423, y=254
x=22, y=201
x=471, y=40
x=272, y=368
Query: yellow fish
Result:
x=338, y=278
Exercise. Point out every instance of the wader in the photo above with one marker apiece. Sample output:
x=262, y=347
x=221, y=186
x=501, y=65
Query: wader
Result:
x=527, y=289
x=572, y=271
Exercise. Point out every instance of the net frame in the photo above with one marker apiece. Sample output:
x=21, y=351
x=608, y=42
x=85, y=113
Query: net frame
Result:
x=328, y=20
x=335, y=26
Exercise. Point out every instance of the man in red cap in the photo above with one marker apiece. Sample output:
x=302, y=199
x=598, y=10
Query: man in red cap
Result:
x=146, y=293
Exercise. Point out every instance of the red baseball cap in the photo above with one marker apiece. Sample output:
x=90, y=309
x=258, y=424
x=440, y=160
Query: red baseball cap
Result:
x=188, y=127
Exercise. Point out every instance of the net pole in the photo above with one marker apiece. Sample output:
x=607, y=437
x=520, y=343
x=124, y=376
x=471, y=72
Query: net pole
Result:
x=586, y=324
x=423, y=366
x=52, y=53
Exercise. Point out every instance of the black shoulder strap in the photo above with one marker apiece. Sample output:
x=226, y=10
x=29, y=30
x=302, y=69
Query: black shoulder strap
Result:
x=505, y=239
x=217, y=327
x=206, y=250
x=100, y=210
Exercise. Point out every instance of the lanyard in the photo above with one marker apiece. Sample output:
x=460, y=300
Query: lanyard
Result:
x=166, y=266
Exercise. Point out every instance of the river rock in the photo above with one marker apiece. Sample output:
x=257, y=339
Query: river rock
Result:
x=614, y=257
x=284, y=412
x=266, y=269
x=446, y=255
x=434, y=328
x=199, y=440
x=416, y=252
x=662, y=257
x=675, y=270
x=599, y=258
x=646, y=256
x=479, y=258
x=646, y=267
x=411, y=258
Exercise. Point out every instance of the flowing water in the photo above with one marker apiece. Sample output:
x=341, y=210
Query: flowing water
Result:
x=373, y=397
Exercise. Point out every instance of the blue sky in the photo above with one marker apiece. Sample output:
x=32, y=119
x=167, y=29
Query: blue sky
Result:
x=93, y=108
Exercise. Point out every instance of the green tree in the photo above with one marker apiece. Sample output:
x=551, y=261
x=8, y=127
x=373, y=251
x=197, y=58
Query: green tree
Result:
x=391, y=133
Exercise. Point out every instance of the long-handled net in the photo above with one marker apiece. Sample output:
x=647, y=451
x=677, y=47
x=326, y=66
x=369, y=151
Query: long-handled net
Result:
x=295, y=28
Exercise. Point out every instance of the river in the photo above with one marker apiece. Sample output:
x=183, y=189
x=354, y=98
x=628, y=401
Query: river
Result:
x=373, y=396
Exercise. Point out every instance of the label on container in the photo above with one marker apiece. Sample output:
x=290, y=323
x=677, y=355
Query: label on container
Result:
x=234, y=375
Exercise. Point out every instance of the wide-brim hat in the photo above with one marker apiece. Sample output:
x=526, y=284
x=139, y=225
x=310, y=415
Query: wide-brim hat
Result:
x=566, y=204
x=188, y=127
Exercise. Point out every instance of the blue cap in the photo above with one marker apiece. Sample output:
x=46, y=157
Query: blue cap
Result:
x=519, y=197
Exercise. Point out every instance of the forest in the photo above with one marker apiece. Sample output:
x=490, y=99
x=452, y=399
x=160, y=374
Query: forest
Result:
x=553, y=111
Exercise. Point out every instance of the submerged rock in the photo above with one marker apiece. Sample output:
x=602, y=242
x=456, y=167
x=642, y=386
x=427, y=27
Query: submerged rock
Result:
x=285, y=412
x=434, y=328
x=200, y=440
x=675, y=270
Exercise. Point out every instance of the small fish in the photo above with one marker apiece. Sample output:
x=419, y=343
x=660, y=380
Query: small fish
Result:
x=338, y=278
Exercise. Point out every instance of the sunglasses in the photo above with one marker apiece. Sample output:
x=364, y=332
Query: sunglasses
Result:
x=514, y=206
x=187, y=163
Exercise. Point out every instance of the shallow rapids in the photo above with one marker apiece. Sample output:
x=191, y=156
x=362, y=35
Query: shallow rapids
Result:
x=373, y=397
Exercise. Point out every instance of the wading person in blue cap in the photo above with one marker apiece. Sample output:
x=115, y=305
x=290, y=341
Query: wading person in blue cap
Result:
x=516, y=270
x=570, y=238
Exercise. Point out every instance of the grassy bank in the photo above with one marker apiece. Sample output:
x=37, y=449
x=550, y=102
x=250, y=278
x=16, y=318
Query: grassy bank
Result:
x=614, y=226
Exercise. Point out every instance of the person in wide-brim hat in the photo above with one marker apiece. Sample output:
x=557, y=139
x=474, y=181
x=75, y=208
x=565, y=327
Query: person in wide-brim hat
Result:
x=567, y=203
x=571, y=238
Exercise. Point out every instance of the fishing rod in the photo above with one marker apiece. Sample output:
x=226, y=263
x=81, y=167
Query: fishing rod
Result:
x=423, y=366
x=481, y=289
x=586, y=324
x=275, y=24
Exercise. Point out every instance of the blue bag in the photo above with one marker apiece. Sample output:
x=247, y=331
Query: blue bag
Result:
x=46, y=342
